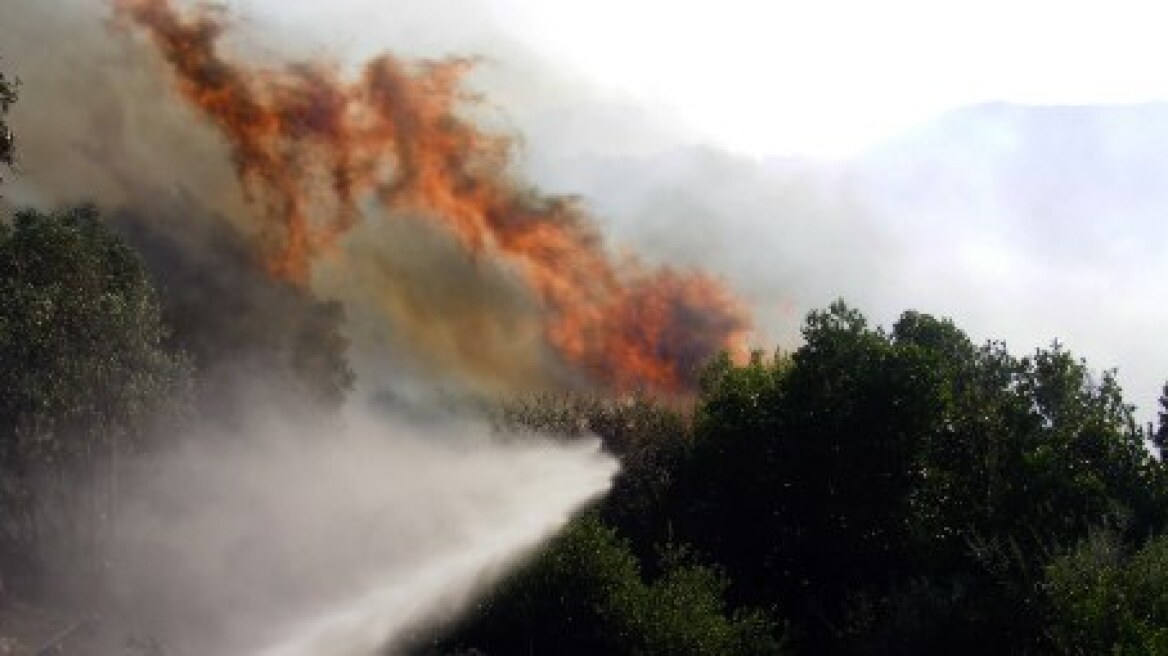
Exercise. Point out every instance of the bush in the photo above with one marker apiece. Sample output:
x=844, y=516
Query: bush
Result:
x=585, y=594
x=86, y=380
x=1106, y=601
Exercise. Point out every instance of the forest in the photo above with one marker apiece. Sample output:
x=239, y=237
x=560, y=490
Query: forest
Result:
x=874, y=490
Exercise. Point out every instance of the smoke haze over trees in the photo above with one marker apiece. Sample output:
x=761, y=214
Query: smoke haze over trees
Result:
x=900, y=491
x=7, y=98
x=319, y=359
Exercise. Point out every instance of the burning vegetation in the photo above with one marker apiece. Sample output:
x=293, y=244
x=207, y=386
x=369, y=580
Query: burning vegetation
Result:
x=319, y=155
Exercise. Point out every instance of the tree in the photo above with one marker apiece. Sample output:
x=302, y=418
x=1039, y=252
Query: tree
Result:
x=585, y=594
x=87, y=378
x=804, y=466
x=7, y=99
x=651, y=440
x=886, y=492
x=1107, y=600
x=1160, y=436
x=906, y=488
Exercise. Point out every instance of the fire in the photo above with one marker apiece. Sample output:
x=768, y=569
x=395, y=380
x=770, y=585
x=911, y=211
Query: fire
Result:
x=311, y=147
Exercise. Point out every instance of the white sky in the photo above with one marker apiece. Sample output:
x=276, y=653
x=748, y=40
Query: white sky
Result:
x=829, y=77
x=818, y=77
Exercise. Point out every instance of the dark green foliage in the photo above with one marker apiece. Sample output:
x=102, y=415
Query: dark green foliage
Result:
x=900, y=492
x=7, y=141
x=1029, y=455
x=1106, y=600
x=1160, y=436
x=81, y=340
x=652, y=442
x=802, y=477
x=86, y=375
x=614, y=581
x=585, y=594
x=885, y=492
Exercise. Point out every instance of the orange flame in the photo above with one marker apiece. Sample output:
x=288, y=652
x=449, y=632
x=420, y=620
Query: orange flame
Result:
x=308, y=146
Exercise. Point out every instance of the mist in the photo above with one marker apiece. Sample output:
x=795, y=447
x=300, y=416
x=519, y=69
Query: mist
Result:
x=264, y=532
x=270, y=526
x=1023, y=223
x=978, y=214
x=330, y=539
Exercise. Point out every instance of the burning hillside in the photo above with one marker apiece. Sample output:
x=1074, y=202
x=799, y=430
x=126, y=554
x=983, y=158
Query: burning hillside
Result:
x=321, y=156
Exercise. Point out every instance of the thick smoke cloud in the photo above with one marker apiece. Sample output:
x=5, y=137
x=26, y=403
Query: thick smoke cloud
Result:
x=1017, y=223
x=255, y=341
x=320, y=153
x=524, y=297
x=1026, y=224
x=265, y=527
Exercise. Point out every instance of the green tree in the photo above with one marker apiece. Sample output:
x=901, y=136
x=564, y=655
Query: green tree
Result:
x=887, y=492
x=1027, y=456
x=87, y=378
x=585, y=594
x=1160, y=436
x=802, y=475
x=651, y=440
x=902, y=491
x=1108, y=600
x=7, y=99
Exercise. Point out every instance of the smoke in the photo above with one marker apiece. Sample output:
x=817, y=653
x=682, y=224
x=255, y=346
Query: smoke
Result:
x=328, y=540
x=266, y=529
x=1024, y=224
x=318, y=155
x=260, y=192
x=377, y=188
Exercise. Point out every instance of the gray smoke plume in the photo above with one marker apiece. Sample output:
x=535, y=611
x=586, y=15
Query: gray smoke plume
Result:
x=267, y=529
x=130, y=145
x=1020, y=223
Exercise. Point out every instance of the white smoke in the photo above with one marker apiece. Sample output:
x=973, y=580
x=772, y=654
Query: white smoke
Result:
x=300, y=541
x=279, y=539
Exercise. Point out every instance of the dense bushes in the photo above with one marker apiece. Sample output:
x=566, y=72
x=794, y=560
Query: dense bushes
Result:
x=876, y=492
x=1106, y=599
x=872, y=492
x=7, y=99
x=86, y=379
x=585, y=593
x=900, y=491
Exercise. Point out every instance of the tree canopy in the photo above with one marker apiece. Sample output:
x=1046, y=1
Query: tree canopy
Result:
x=86, y=372
x=875, y=492
x=7, y=141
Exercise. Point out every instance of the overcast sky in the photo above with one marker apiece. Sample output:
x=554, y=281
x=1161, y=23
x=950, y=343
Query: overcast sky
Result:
x=1025, y=226
x=1037, y=226
x=671, y=119
x=823, y=77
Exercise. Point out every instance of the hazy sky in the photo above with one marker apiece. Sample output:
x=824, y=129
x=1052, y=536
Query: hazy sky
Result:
x=823, y=77
x=1020, y=224
x=665, y=116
